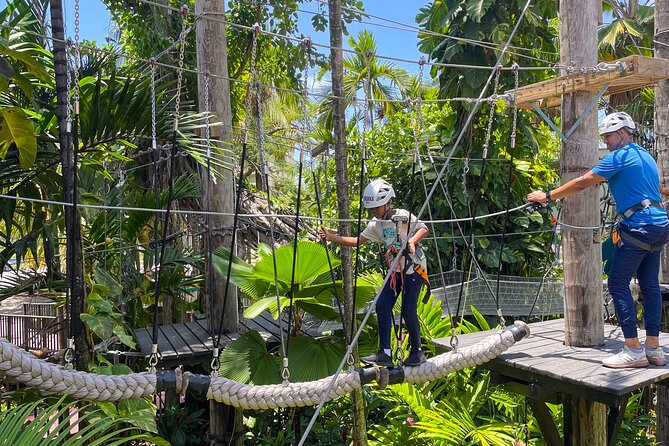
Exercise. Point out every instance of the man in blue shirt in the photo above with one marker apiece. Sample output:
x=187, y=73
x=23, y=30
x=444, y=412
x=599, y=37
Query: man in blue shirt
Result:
x=635, y=185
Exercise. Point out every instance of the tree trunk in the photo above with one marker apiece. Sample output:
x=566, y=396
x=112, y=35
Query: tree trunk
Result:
x=584, y=320
x=662, y=134
x=359, y=434
x=73, y=223
x=212, y=57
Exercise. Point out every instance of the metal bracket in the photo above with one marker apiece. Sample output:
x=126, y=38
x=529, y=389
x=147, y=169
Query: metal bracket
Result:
x=565, y=136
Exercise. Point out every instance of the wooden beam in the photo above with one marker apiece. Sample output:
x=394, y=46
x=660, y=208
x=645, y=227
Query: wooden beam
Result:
x=545, y=422
x=640, y=72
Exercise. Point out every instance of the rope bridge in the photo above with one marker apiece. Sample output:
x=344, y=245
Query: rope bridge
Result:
x=22, y=367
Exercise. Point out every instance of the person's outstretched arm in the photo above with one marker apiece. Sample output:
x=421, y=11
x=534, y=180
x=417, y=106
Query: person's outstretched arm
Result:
x=333, y=237
x=568, y=189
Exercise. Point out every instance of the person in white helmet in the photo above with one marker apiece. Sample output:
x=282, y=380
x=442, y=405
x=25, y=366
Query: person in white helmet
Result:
x=389, y=226
x=634, y=181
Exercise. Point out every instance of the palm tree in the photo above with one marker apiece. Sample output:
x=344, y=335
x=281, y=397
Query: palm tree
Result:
x=365, y=74
x=631, y=31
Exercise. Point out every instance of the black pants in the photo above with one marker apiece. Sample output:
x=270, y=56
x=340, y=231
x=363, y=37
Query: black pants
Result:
x=384, y=308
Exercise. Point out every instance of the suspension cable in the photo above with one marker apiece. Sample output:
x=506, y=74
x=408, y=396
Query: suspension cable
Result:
x=154, y=357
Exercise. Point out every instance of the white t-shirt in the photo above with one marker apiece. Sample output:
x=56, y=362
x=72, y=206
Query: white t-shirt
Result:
x=385, y=231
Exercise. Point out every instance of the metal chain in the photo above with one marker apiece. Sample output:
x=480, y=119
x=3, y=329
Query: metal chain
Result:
x=252, y=79
x=77, y=57
x=465, y=171
x=367, y=122
x=515, y=69
x=154, y=145
x=207, y=116
x=180, y=69
x=70, y=108
x=306, y=130
x=491, y=116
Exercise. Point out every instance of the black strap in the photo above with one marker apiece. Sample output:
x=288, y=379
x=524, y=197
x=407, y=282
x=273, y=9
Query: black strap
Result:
x=626, y=237
x=627, y=213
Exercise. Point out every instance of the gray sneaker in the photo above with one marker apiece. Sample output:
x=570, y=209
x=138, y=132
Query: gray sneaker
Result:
x=626, y=359
x=656, y=357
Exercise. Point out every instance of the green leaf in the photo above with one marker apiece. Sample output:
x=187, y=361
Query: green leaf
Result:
x=247, y=360
x=310, y=263
x=311, y=359
x=100, y=324
x=16, y=128
x=140, y=413
x=124, y=337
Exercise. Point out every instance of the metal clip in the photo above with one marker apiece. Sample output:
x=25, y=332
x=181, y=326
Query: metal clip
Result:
x=285, y=371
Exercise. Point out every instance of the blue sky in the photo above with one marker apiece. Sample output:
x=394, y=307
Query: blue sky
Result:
x=95, y=23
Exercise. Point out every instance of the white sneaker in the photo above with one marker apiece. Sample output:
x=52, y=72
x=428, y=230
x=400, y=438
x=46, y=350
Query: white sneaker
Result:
x=656, y=357
x=625, y=359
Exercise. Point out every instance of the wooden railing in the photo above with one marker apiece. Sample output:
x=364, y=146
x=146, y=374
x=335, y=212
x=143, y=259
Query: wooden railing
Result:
x=32, y=332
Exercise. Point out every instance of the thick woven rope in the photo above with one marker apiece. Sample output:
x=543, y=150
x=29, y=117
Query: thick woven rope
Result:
x=22, y=367
x=248, y=396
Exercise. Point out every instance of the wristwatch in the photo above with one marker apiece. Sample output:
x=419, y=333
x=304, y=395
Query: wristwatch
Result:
x=548, y=196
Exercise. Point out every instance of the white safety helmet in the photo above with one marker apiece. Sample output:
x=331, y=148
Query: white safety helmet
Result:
x=377, y=193
x=616, y=121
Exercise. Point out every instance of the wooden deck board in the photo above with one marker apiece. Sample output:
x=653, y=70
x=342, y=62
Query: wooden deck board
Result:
x=543, y=358
x=640, y=72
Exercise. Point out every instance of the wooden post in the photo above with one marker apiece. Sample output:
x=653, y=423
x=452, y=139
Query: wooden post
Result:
x=359, y=434
x=212, y=57
x=584, y=321
x=662, y=134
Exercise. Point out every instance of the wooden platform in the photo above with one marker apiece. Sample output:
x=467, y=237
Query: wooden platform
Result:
x=192, y=343
x=543, y=369
x=640, y=72
x=543, y=360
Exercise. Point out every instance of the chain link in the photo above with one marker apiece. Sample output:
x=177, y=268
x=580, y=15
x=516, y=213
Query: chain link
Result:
x=77, y=58
x=70, y=109
x=367, y=122
x=491, y=116
x=306, y=129
x=152, y=66
x=180, y=69
x=465, y=171
x=515, y=68
x=207, y=117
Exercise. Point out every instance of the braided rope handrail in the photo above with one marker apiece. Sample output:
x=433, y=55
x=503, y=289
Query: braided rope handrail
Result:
x=248, y=396
x=22, y=367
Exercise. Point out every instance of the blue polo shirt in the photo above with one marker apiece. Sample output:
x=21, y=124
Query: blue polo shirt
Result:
x=633, y=177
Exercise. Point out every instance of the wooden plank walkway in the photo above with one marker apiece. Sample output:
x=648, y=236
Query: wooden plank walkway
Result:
x=543, y=359
x=191, y=342
x=187, y=343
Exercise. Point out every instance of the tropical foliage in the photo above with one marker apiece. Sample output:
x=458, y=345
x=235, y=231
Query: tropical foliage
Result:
x=51, y=424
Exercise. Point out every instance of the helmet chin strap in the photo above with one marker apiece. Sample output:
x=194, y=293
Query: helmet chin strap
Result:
x=621, y=143
x=387, y=208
